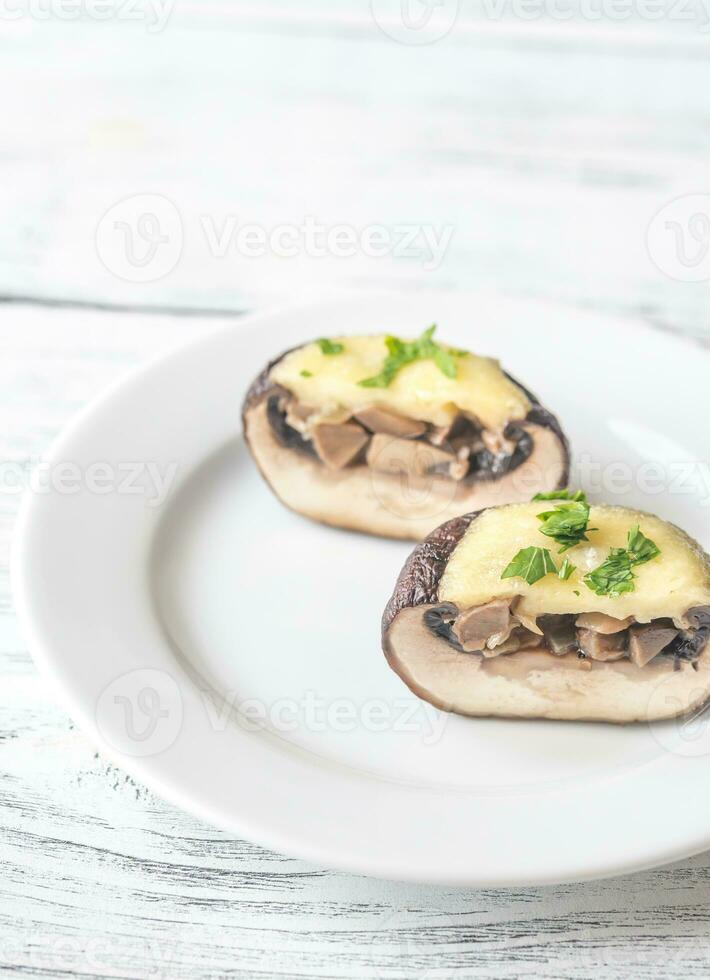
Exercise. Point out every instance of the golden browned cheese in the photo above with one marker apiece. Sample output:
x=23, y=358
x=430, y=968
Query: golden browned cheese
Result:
x=419, y=390
x=676, y=580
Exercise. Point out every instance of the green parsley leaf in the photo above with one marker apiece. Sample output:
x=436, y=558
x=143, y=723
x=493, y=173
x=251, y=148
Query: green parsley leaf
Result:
x=400, y=353
x=532, y=564
x=615, y=575
x=381, y=380
x=445, y=362
x=567, y=523
x=395, y=346
x=306, y=374
x=562, y=495
x=576, y=591
x=330, y=347
x=566, y=569
x=640, y=548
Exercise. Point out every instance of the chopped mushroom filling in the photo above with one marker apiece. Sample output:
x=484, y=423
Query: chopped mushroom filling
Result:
x=493, y=629
x=388, y=442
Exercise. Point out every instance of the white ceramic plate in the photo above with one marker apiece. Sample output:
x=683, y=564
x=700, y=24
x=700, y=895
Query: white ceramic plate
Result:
x=226, y=651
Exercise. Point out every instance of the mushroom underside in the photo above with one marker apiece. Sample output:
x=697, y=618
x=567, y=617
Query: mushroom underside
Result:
x=538, y=684
x=393, y=501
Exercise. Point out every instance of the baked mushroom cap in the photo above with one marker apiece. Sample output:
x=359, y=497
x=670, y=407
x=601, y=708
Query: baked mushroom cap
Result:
x=468, y=641
x=383, y=470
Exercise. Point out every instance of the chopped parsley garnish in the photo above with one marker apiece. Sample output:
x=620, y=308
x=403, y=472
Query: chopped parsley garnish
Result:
x=567, y=523
x=532, y=564
x=615, y=574
x=562, y=495
x=566, y=569
x=330, y=347
x=404, y=352
x=640, y=548
x=306, y=374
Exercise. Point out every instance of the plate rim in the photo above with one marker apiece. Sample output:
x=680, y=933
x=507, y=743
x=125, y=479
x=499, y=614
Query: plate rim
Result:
x=25, y=556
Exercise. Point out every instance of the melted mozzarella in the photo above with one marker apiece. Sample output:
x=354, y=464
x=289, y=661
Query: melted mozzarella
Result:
x=676, y=580
x=420, y=390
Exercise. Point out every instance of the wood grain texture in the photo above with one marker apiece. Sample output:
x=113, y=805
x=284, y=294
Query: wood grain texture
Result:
x=544, y=147
x=101, y=879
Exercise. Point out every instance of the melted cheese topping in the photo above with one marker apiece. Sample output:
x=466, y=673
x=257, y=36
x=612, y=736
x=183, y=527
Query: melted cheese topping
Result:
x=670, y=584
x=419, y=390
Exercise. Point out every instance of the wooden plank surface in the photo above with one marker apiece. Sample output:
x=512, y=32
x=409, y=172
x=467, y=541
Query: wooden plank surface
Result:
x=542, y=148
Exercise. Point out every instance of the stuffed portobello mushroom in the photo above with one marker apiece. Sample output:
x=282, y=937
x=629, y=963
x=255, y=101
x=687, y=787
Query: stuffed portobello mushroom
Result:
x=391, y=436
x=554, y=609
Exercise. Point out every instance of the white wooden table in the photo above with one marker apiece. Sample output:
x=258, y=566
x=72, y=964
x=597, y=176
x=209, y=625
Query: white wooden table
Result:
x=547, y=147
